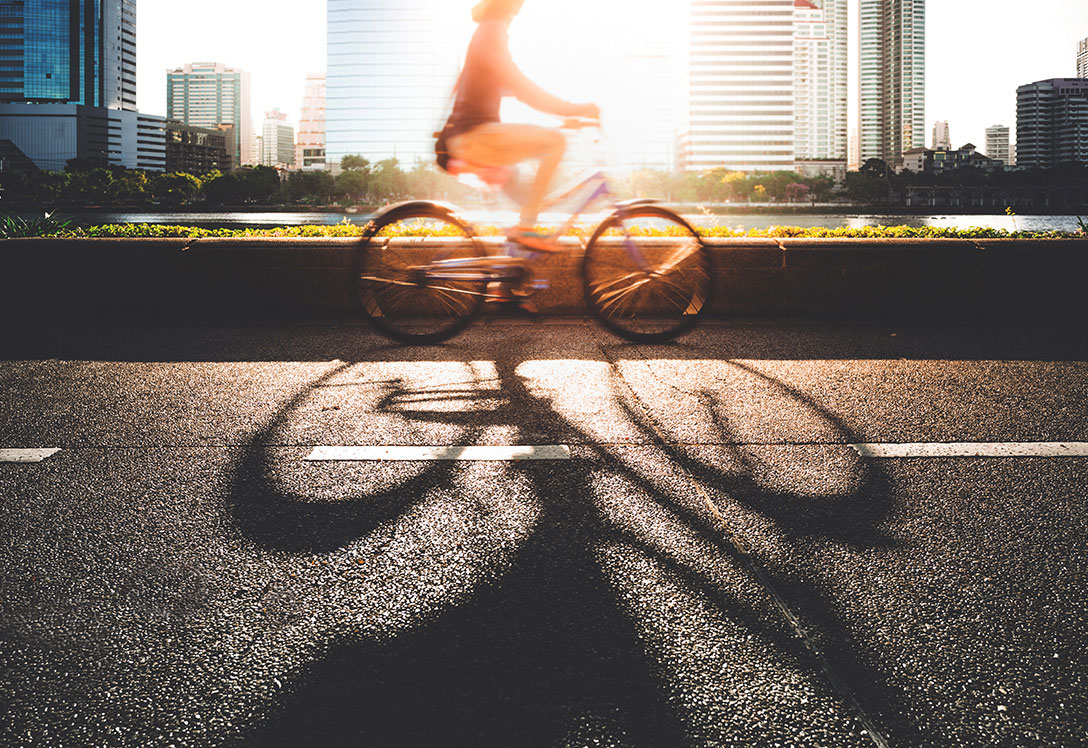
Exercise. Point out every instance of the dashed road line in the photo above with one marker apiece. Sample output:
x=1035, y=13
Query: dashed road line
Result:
x=26, y=455
x=973, y=449
x=479, y=453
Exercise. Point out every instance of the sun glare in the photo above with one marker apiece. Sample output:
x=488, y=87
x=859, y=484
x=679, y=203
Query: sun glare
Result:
x=607, y=52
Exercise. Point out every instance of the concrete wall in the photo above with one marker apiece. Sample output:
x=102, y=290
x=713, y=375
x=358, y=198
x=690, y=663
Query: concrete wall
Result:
x=852, y=279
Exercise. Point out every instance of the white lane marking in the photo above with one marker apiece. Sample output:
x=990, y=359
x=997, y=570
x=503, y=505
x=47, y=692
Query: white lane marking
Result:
x=974, y=449
x=26, y=455
x=481, y=453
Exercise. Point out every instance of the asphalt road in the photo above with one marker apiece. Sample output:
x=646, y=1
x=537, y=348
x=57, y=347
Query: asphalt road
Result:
x=715, y=565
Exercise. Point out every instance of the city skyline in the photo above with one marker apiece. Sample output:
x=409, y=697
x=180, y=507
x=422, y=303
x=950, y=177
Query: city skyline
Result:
x=978, y=52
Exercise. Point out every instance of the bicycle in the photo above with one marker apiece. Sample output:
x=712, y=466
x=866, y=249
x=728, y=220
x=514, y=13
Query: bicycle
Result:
x=423, y=272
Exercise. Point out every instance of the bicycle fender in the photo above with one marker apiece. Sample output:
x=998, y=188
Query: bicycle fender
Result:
x=440, y=207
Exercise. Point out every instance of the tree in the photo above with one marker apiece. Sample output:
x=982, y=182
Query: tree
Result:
x=737, y=186
x=387, y=180
x=309, y=187
x=796, y=193
x=353, y=185
x=175, y=188
x=354, y=163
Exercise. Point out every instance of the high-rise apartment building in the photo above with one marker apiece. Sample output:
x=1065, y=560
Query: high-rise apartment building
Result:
x=997, y=143
x=942, y=137
x=68, y=84
x=891, y=77
x=278, y=140
x=1082, y=59
x=391, y=67
x=310, y=141
x=741, y=86
x=209, y=94
x=821, y=90
x=1052, y=122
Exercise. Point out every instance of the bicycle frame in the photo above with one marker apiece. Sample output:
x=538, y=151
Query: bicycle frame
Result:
x=505, y=267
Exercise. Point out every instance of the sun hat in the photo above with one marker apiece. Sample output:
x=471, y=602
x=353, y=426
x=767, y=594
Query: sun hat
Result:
x=491, y=9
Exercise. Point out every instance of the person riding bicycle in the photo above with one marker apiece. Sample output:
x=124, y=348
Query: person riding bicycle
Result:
x=474, y=131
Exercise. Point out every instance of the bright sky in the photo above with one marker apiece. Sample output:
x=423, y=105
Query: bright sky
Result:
x=978, y=51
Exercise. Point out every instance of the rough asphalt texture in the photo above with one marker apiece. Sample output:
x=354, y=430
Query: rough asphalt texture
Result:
x=713, y=567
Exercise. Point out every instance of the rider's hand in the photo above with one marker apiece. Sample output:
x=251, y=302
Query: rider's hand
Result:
x=590, y=111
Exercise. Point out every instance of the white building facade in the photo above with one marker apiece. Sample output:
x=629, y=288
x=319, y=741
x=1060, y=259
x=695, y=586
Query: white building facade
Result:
x=741, y=86
x=997, y=144
x=277, y=140
x=942, y=137
x=768, y=86
x=1082, y=59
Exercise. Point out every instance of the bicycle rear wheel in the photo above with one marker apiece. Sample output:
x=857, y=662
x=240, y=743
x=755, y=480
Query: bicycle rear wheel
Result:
x=647, y=274
x=402, y=291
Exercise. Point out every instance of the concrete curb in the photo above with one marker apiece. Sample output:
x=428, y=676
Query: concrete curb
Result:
x=800, y=278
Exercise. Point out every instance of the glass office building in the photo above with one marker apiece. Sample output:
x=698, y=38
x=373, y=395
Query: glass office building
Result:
x=68, y=52
x=68, y=84
x=391, y=68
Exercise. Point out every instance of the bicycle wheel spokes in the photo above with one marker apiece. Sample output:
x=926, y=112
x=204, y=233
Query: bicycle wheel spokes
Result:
x=396, y=291
x=647, y=274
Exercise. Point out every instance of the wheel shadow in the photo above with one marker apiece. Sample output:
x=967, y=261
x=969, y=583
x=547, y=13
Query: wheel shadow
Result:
x=546, y=654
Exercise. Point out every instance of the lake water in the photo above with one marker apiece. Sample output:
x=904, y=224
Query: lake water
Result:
x=505, y=218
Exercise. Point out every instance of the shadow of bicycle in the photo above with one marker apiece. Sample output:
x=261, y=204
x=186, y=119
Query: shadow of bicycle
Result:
x=506, y=606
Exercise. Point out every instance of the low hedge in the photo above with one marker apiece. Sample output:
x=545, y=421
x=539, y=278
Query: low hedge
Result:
x=154, y=231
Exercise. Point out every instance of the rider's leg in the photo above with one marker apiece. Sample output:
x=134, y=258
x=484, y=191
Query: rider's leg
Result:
x=499, y=144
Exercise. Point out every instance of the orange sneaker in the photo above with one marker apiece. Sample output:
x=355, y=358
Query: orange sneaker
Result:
x=532, y=240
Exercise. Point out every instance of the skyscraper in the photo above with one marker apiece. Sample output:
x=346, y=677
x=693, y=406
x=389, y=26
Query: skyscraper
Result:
x=1082, y=59
x=1052, y=122
x=68, y=84
x=997, y=143
x=820, y=72
x=310, y=141
x=942, y=138
x=741, y=85
x=391, y=68
x=209, y=94
x=891, y=77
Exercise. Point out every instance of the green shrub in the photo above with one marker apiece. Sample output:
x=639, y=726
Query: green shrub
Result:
x=12, y=226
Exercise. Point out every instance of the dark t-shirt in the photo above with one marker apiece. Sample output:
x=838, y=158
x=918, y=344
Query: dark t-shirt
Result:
x=483, y=78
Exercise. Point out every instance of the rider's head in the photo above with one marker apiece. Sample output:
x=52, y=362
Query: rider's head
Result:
x=496, y=10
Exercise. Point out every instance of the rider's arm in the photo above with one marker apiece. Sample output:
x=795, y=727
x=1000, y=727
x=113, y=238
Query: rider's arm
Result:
x=517, y=84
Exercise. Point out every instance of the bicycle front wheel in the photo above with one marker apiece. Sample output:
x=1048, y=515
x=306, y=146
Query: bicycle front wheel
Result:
x=647, y=274
x=414, y=278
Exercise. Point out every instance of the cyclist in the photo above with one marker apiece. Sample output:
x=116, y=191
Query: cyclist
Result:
x=474, y=131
